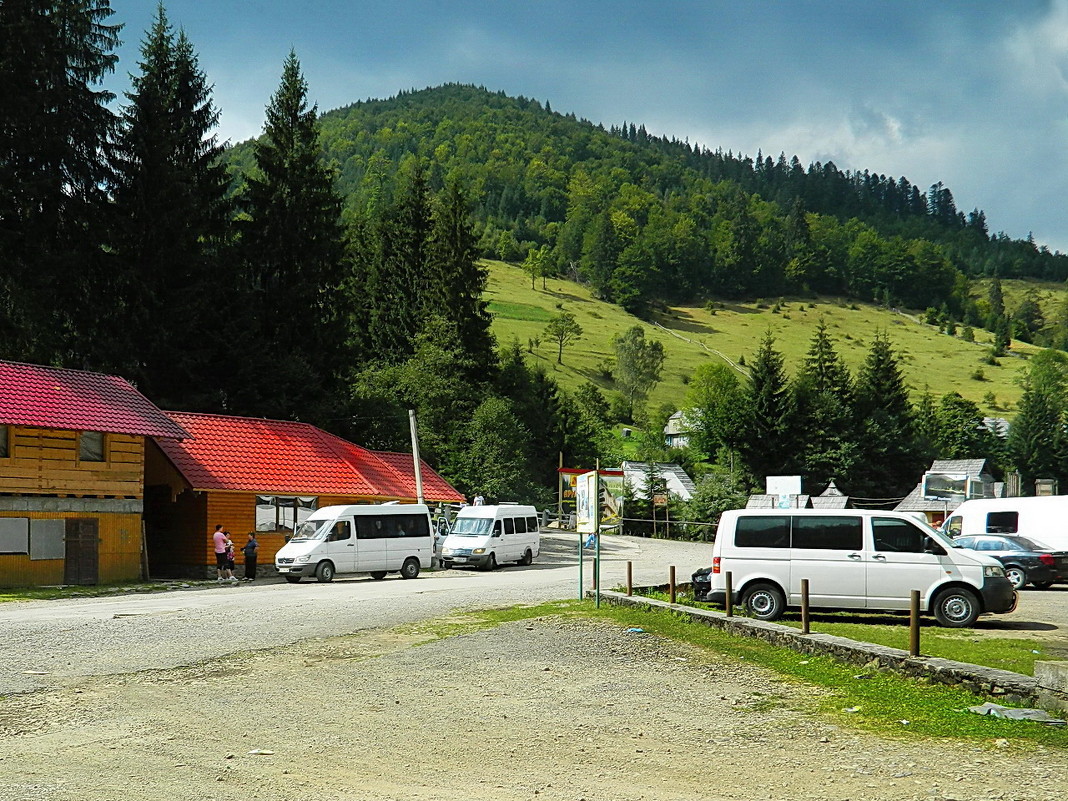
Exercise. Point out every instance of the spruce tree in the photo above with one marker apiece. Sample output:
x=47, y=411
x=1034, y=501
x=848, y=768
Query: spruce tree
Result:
x=294, y=251
x=767, y=437
x=1036, y=441
x=171, y=221
x=54, y=130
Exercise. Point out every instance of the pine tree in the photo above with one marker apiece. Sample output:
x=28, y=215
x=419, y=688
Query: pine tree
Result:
x=1036, y=441
x=171, y=221
x=295, y=257
x=54, y=130
x=767, y=438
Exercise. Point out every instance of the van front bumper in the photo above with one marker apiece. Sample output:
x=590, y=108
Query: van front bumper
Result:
x=467, y=560
x=998, y=594
x=295, y=570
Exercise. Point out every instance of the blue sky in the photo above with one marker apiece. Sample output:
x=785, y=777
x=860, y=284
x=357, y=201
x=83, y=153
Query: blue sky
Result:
x=974, y=94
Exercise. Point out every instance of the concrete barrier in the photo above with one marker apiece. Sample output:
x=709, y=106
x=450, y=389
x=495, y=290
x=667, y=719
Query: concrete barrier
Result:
x=1049, y=692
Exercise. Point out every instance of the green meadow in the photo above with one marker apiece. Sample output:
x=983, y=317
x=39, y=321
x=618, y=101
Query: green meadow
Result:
x=732, y=332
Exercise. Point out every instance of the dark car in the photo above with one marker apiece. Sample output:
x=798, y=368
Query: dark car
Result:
x=1025, y=561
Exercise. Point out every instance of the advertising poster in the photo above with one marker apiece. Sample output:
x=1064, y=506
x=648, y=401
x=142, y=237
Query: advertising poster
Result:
x=585, y=502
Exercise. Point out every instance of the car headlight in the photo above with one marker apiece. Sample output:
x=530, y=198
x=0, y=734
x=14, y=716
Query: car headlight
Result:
x=478, y=551
x=993, y=571
x=302, y=559
x=446, y=551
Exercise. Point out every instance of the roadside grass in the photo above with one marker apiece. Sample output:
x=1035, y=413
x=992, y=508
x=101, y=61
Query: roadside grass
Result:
x=695, y=334
x=883, y=703
x=16, y=594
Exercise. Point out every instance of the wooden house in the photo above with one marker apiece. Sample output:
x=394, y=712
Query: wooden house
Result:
x=251, y=474
x=72, y=455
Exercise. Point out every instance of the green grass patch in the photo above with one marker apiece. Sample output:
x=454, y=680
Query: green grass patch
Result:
x=880, y=702
x=519, y=311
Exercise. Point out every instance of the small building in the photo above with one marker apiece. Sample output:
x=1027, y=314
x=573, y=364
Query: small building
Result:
x=677, y=431
x=72, y=456
x=946, y=485
x=674, y=477
x=267, y=476
x=830, y=498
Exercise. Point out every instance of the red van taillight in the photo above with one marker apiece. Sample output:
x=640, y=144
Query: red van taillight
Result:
x=715, y=564
x=1047, y=559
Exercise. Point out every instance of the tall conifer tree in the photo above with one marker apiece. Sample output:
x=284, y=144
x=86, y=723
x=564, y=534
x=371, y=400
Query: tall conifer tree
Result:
x=768, y=438
x=54, y=129
x=172, y=217
x=295, y=256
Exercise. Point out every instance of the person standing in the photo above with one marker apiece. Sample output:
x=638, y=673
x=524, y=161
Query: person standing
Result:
x=222, y=558
x=479, y=500
x=251, y=551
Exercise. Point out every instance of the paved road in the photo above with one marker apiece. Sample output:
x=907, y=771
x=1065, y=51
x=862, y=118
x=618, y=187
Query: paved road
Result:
x=50, y=642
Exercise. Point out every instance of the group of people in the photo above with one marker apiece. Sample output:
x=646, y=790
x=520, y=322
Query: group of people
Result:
x=224, y=555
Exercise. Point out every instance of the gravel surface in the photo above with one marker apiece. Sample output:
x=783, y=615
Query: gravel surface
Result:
x=343, y=691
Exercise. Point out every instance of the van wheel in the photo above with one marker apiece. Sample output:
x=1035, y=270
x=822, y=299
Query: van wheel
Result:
x=410, y=568
x=378, y=575
x=1016, y=576
x=764, y=602
x=1043, y=585
x=956, y=608
x=293, y=579
x=491, y=563
x=324, y=572
x=528, y=557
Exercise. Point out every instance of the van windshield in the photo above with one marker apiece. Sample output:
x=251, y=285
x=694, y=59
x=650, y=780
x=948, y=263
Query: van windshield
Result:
x=471, y=526
x=311, y=530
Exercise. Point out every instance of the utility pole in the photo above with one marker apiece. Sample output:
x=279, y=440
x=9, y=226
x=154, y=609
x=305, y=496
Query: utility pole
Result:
x=415, y=458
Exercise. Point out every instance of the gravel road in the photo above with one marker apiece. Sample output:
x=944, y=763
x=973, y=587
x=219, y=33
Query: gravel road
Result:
x=344, y=691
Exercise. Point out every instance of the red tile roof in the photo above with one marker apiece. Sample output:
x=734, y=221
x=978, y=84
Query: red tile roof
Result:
x=254, y=455
x=75, y=400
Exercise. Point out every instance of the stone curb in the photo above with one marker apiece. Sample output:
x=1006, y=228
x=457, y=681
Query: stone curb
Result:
x=1000, y=685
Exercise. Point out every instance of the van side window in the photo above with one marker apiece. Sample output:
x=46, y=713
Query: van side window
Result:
x=520, y=525
x=1002, y=522
x=954, y=526
x=532, y=524
x=771, y=531
x=340, y=531
x=496, y=528
x=509, y=525
x=828, y=533
x=897, y=536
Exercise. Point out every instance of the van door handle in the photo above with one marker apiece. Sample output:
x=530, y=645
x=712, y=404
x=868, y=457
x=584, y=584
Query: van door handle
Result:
x=352, y=544
x=880, y=557
x=854, y=556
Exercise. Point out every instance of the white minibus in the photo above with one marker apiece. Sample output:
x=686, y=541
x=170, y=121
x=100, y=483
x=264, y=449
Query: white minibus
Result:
x=485, y=536
x=853, y=559
x=369, y=538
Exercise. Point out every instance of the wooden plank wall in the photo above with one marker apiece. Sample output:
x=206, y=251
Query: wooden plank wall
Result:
x=120, y=552
x=44, y=461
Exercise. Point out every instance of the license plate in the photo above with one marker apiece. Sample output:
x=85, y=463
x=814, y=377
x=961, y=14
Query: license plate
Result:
x=460, y=559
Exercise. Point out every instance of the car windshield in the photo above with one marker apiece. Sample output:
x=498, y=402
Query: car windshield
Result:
x=471, y=526
x=311, y=530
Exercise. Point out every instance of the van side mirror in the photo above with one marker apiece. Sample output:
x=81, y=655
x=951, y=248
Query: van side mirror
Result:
x=933, y=547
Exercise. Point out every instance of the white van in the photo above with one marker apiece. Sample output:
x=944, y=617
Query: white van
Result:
x=369, y=538
x=1043, y=520
x=485, y=536
x=853, y=559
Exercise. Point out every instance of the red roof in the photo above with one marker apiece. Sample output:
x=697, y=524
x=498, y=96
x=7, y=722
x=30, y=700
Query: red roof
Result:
x=75, y=400
x=250, y=454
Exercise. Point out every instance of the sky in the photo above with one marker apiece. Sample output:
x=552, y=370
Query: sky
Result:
x=973, y=94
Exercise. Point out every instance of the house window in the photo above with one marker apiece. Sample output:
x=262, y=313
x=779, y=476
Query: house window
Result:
x=283, y=513
x=4, y=452
x=91, y=446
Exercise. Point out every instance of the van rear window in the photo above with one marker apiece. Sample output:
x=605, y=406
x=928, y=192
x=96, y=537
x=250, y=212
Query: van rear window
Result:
x=828, y=533
x=771, y=531
x=1002, y=522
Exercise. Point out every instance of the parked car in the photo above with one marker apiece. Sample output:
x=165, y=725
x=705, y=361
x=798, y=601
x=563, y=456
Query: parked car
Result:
x=1025, y=561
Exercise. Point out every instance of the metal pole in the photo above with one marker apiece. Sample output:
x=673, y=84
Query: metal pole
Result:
x=630, y=578
x=728, y=601
x=804, y=606
x=560, y=495
x=671, y=584
x=415, y=459
x=597, y=533
x=914, y=624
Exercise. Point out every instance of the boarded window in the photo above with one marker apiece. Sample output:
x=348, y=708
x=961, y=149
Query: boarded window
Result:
x=91, y=446
x=3, y=442
x=14, y=535
x=770, y=531
x=47, y=539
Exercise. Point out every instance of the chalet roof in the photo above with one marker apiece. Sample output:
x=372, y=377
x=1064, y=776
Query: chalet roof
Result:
x=677, y=481
x=764, y=501
x=76, y=400
x=969, y=467
x=916, y=502
x=275, y=456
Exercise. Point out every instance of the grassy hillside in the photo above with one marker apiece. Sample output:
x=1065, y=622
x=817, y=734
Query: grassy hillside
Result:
x=693, y=335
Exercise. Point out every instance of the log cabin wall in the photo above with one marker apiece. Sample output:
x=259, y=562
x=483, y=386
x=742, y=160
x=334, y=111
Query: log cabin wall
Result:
x=44, y=461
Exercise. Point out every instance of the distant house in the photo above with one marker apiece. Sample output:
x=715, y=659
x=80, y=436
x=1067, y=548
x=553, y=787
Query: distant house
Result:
x=677, y=431
x=251, y=474
x=946, y=485
x=830, y=498
x=72, y=456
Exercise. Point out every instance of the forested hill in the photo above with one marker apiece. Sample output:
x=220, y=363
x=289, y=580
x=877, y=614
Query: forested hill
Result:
x=643, y=218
